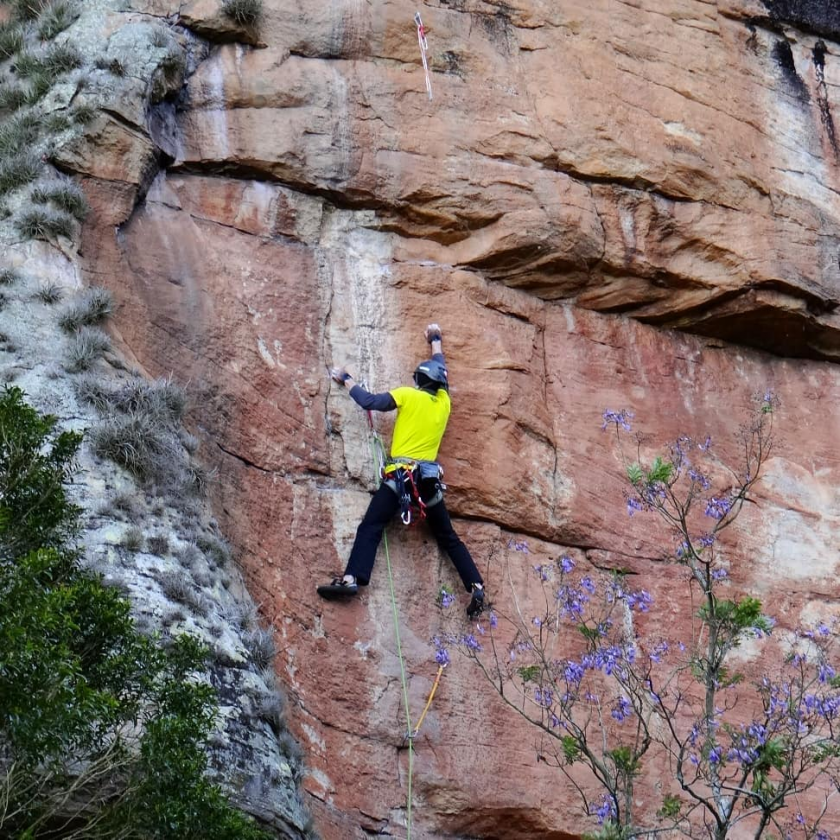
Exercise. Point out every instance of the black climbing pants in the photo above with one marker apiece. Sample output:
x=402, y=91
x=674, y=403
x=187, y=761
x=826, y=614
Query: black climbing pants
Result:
x=381, y=510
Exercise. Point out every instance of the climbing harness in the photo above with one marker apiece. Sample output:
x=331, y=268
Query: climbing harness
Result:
x=407, y=478
x=424, y=47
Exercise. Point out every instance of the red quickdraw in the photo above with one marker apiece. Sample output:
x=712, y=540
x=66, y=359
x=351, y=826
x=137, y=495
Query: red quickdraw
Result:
x=406, y=476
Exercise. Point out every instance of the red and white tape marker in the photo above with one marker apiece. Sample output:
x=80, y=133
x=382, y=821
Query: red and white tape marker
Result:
x=424, y=46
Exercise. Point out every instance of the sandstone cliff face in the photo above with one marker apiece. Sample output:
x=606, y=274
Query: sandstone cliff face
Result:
x=586, y=179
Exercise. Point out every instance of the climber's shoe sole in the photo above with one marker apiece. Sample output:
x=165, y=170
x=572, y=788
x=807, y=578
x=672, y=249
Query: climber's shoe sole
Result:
x=338, y=590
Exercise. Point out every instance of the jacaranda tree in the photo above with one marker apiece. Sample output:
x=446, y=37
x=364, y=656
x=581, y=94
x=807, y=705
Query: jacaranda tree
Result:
x=758, y=751
x=101, y=729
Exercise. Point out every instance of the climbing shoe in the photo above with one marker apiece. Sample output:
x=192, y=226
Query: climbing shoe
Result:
x=476, y=606
x=338, y=589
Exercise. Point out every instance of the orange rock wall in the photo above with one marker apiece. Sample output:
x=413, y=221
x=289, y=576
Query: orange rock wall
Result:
x=662, y=160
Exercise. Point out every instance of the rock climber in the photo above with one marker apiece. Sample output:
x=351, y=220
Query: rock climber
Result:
x=422, y=414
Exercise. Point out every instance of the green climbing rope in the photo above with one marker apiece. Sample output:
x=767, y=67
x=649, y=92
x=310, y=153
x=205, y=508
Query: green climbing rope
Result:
x=378, y=458
x=404, y=689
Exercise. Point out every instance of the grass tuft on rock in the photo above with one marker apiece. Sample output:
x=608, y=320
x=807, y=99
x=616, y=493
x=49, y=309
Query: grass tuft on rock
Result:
x=158, y=544
x=56, y=18
x=8, y=276
x=260, y=646
x=64, y=195
x=25, y=10
x=91, y=390
x=86, y=347
x=27, y=64
x=243, y=12
x=12, y=97
x=132, y=539
x=92, y=306
x=39, y=86
x=11, y=40
x=49, y=293
x=62, y=58
x=19, y=170
x=140, y=441
x=84, y=113
x=18, y=132
x=42, y=223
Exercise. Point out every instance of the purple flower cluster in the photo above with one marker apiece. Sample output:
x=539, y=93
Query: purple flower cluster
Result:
x=566, y=564
x=518, y=648
x=609, y=658
x=639, y=601
x=824, y=706
x=543, y=697
x=658, y=652
x=745, y=748
x=719, y=574
x=603, y=810
x=699, y=478
x=543, y=572
x=470, y=642
x=521, y=546
x=622, y=709
x=442, y=656
x=619, y=418
x=447, y=599
x=572, y=601
x=718, y=508
x=573, y=673
x=634, y=505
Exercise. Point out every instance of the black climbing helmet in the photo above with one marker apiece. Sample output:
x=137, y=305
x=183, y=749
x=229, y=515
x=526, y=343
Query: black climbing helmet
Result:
x=431, y=371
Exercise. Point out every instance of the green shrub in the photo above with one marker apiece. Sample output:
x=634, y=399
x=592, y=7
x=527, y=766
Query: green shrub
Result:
x=55, y=19
x=35, y=460
x=12, y=97
x=41, y=223
x=102, y=729
x=90, y=307
x=65, y=195
x=18, y=171
x=244, y=12
x=11, y=40
x=87, y=345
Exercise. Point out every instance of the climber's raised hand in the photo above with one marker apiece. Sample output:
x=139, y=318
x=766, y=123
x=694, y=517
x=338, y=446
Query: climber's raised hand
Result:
x=433, y=333
x=342, y=376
